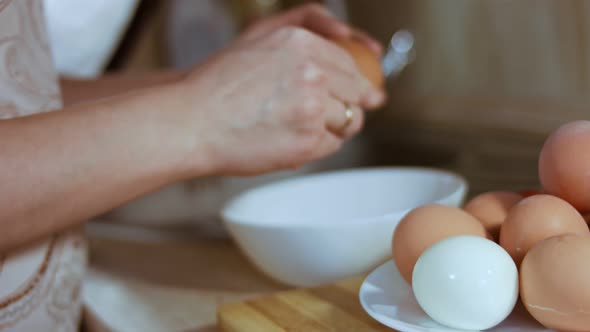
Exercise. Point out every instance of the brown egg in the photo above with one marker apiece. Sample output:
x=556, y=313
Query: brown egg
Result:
x=367, y=61
x=554, y=284
x=536, y=218
x=564, y=164
x=491, y=209
x=425, y=226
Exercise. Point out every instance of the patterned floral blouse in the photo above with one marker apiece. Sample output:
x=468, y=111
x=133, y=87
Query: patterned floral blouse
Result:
x=39, y=283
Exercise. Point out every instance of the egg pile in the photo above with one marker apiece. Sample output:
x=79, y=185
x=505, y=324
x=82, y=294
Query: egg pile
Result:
x=469, y=267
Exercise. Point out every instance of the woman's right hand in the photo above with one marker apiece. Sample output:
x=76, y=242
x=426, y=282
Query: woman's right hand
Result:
x=276, y=102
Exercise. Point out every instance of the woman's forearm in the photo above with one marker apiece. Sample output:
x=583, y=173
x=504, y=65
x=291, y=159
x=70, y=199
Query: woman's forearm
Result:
x=273, y=102
x=76, y=91
x=60, y=168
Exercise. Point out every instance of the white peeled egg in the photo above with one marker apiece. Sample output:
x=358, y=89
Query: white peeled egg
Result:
x=466, y=282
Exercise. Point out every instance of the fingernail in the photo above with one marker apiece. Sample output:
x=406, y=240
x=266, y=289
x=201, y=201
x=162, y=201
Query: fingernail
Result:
x=375, y=98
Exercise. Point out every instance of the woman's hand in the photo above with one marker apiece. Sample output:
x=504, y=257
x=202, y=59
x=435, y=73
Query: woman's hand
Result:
x=276, y=102
x=315, y=18
x=318, y=20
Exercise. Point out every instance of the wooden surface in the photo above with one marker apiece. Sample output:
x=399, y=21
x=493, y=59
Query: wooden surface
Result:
x=156, y=280
x=327, y=308
x=163, y=281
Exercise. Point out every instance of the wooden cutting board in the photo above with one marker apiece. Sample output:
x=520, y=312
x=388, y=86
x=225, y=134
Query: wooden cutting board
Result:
x=334, y=307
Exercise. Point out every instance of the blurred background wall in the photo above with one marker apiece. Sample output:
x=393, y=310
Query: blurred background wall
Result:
x=490, y=80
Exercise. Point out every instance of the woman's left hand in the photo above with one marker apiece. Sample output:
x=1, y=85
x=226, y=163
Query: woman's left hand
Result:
x=315, y=18
x=318, y=20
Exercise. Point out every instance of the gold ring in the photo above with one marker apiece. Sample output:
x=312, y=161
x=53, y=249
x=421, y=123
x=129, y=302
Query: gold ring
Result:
x=348, y=114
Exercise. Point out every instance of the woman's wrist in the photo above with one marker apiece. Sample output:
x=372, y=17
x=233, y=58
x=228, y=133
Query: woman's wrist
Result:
x=76, y=91
x=177, y=115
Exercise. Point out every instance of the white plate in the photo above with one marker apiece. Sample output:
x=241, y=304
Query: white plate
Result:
x=387, y=297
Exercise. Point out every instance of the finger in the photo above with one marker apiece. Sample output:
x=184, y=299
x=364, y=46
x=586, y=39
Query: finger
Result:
x=313, y=17
x=340, y=70
x=346, y=86
x=320, y=21
x=342, y=120
x=329, y=144
x=349, y=84
x=352, y=88
x=374, y=100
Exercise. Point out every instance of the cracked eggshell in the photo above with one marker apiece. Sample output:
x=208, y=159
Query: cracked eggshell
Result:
x=554, y=285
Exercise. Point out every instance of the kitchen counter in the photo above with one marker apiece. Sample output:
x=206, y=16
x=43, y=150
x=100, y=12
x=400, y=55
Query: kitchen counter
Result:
x=163, y=280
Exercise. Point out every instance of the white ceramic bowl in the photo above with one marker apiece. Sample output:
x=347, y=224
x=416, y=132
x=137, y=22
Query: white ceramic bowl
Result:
x=320, y=228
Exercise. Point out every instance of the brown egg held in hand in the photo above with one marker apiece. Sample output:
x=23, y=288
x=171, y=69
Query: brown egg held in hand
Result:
x=491, y=209
x=554, y=282
x=564, y=164
x=425, y=226
x=367, y=61
x=536, y=218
